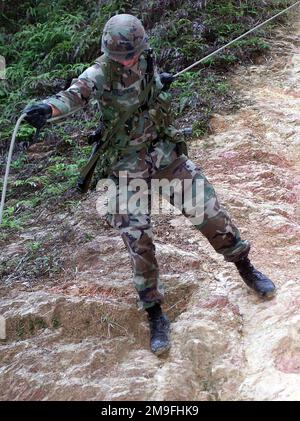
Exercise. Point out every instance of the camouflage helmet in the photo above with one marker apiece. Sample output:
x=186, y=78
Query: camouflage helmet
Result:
x=123, y=37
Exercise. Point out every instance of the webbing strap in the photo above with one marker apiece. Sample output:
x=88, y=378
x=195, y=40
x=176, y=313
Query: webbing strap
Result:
x=122, y=121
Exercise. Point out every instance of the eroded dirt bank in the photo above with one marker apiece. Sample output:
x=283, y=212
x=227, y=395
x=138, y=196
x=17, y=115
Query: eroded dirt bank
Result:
x=80, y=336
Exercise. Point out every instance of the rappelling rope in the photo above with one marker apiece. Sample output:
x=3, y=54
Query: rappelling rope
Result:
x=11, y=148
x=175, y=76
x=236, y=39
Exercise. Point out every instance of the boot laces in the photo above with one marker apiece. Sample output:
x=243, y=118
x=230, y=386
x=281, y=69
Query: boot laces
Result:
x=245, y=266
x=158, y=325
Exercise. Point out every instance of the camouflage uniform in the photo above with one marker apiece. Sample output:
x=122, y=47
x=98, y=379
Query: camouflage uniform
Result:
x=148, y=150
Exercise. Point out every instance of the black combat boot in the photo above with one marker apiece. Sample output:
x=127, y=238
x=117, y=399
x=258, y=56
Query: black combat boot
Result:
x=159, y=330
x=255, y=279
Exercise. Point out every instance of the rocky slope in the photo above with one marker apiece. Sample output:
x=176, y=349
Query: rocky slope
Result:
x=80, y=335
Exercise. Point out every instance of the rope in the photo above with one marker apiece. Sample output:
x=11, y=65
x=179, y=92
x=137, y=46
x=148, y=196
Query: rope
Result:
x=11, y=148
x=51, y=120
x=236, y=39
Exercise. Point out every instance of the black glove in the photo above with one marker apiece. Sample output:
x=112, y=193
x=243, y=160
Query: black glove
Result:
x=38, y=114
x=166, y=79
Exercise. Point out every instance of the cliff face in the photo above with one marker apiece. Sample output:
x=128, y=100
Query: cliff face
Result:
x=80, y=336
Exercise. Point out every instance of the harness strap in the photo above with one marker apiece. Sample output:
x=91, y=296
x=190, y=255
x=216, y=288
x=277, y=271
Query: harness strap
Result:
x=87, y=171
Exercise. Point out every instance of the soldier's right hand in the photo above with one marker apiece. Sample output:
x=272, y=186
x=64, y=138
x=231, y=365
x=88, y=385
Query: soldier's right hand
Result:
x=166, y=79
x=38, y=114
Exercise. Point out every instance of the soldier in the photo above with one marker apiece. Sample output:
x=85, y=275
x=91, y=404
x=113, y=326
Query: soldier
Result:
x=125, y=81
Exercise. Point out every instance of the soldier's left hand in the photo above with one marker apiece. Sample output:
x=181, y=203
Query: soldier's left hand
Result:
x=38, y=114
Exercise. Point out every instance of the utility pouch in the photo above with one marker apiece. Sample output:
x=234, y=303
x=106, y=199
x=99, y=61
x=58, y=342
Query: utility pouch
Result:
x=182, y=147
x=160, y=112
x=179, y=137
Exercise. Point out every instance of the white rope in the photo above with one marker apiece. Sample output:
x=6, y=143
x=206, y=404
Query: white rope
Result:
x=11, y=148
x=237, y=39
x=51, y=120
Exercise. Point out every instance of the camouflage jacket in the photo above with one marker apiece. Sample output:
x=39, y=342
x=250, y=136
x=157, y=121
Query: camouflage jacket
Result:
x=116, y=88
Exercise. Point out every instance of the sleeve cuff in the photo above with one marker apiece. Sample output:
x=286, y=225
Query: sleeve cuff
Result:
x=62, y=108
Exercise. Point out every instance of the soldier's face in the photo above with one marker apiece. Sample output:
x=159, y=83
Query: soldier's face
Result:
x=129, y=63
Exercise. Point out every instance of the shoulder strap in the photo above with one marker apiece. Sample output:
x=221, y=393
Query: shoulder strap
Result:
x=105, y=64
x=90, y=166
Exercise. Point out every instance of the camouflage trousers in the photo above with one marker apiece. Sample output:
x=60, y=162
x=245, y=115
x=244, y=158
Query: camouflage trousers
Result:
x=157, y=162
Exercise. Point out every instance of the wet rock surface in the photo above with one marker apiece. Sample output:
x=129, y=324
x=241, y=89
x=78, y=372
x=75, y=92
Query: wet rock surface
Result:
x=81, y=336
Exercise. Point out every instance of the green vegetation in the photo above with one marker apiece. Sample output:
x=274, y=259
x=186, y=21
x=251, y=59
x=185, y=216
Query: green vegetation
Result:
x=20, y=329
x=40, y=258
x=55, y=323
x=48, y=43
x=29, y=326
x=35, y=324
